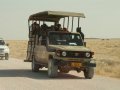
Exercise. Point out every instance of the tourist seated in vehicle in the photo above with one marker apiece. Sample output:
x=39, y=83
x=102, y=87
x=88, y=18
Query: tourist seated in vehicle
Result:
x=58, y=27
x=65, y=29
x=44, y=29
x=35, y=28
x=44, y=26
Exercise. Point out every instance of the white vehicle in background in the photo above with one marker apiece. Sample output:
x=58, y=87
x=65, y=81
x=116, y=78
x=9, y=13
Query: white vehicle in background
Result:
x=4, y=50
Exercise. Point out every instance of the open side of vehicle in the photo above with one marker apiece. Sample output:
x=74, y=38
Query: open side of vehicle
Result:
x=55, y=47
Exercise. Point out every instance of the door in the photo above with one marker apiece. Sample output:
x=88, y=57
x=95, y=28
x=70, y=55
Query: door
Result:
x=40, y=51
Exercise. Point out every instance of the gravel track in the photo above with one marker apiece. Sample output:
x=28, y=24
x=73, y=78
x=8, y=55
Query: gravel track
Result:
x=17, y=75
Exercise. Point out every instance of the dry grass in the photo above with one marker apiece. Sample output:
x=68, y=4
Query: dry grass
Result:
x=107, y=54
x=18, y=48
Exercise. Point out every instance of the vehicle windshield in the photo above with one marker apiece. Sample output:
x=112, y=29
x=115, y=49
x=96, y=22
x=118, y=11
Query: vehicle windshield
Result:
x=65, y=39
x=2, y=42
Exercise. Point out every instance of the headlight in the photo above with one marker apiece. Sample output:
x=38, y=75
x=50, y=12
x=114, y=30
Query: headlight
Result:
x=64, y=53
x=87, y=54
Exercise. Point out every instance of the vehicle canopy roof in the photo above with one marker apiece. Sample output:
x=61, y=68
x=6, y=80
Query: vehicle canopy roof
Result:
x=54, y=16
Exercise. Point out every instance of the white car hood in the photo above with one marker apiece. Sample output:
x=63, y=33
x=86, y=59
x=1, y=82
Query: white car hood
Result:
x=3, y=46
x=6, y=48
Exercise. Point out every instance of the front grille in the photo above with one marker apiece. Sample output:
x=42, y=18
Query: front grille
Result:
x=74, y=54
x=1, y=50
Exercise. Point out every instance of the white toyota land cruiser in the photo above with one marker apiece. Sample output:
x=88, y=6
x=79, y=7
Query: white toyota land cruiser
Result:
x=4, y=50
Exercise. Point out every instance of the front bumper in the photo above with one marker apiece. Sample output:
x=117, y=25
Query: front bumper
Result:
x=73, y=59
x=85, y=62
x=2, y=54
x=90, y=64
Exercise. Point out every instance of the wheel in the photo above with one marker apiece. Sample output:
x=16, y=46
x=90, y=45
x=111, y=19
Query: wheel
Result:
x=52, y=69
x=35, y=67
x=89, y=73
x=6, y=56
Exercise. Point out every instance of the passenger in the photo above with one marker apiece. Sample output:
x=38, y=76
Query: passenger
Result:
x=81, y=33
x=35, y=28
x=65, y=29
x=58, y=27
x=44, y=26
x=52, y=27
x=44, y=29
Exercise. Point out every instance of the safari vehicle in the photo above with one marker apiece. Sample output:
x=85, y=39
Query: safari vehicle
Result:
x=4, y=50
x=55, y=45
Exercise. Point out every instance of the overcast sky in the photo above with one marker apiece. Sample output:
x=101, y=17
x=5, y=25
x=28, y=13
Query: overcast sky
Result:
x=102, y=16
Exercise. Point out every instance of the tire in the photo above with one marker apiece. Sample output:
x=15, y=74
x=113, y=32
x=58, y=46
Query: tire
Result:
x=89, y=73
x=6, y=56
x=35, y=67
x=52, y=69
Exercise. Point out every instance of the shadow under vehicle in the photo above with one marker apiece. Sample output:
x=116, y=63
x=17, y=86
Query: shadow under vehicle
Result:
x=54, y=44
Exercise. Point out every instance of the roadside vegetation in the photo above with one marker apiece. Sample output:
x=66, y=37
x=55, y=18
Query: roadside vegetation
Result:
x=107, y=56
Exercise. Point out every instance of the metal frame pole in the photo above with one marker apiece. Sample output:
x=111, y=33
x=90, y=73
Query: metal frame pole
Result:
x=68, y=23
x=78, y=22
x=63, y=22
x=72, y=24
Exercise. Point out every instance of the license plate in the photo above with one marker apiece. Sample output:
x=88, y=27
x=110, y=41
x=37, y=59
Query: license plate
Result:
x=76, y=64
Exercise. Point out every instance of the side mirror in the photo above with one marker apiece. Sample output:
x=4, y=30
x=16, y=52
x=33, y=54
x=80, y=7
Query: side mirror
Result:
x=7, y=44
x=85, y=44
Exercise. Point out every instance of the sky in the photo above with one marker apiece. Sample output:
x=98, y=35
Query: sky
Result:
x=102, y=16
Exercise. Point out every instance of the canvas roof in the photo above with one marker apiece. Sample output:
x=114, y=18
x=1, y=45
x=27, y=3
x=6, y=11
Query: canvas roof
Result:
x=54, y=15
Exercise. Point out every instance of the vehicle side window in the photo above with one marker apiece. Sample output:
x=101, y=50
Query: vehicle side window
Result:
x=42, y=41
x=2, y=42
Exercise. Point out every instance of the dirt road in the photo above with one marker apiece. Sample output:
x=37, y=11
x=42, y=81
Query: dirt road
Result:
x=17, y=75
